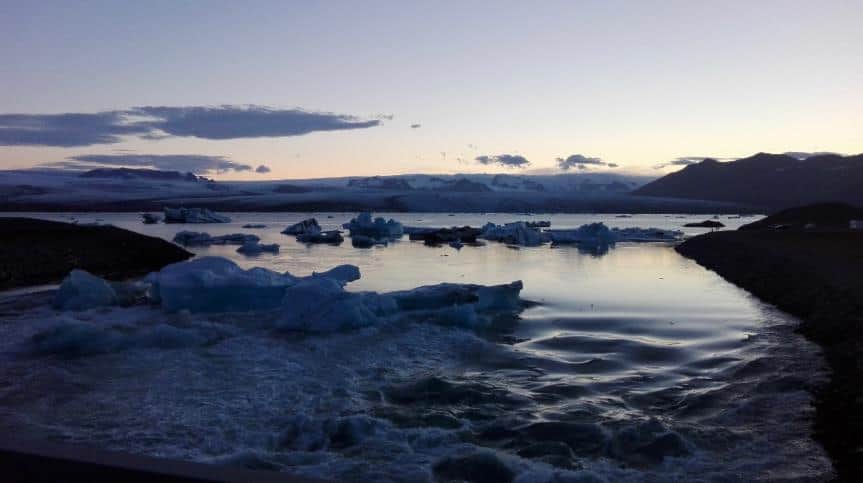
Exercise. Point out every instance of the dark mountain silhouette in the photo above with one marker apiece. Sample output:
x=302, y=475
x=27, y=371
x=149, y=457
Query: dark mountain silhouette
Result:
x=129, y=173
x=819, y=216
x=766, y=180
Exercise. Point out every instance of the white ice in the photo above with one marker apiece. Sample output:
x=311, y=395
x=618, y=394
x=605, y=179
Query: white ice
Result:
x=194, y=238
x=194, y=215
x=379, y=228
x=517, y=233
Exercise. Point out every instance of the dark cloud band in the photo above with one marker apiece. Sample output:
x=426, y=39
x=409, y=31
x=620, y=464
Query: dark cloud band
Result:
x=505, y=160
x=158, y=122
x=192, y=163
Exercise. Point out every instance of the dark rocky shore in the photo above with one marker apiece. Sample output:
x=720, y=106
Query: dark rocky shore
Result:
x=35, y=252
x=816, y=275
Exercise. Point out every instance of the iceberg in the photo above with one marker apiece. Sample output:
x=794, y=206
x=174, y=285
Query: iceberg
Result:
x=599, y=234
x=150, y=219
x=200, y=239
x=309, y=225
x=378, y=228
x=193, y=215
x=592, y=233
x=254, y=225
x=215, y=284
x=332, y=237
x=255, y=248
x=81, y=290
x=362, y=241
x=315, y=303
x=517, y=233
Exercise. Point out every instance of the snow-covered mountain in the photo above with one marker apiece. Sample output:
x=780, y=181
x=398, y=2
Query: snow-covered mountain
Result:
x=122, y=189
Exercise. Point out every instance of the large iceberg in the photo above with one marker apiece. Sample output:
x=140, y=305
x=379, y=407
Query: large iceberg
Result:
x=378, y=228
x=517, y=233
x=194, y=238
x=332, y=237
x=193, y=215
x=315, y=303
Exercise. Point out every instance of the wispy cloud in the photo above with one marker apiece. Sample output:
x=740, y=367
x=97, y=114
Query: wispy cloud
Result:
x=580, y=161
x=505, y=160
x=682, y=161
x=159, y=122
x=262, y=169
x=416, y=126
x=193, y=163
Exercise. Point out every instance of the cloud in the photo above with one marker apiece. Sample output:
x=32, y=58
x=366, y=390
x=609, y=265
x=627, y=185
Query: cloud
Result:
x=262, y=169
x=613, y=165
x=66, y=130
x=505, y=160
x=416, y=126
x=159, y=122
x=579, y=161
x=232, y=122
x=682, y=161
x=193, y=163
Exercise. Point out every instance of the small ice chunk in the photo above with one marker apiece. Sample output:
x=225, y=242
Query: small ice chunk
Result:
x=517, y=233
x=82, y=290
x=333, y=237
x=201, y=239
x=193, y=215
x=254, y=225
x=457, y=244
x=309, y=225
x=150, y=219
x=592, y=233
x=255, y=248
x=378, y=228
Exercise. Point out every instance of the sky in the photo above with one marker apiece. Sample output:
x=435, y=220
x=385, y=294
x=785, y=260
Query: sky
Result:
x=261, y=90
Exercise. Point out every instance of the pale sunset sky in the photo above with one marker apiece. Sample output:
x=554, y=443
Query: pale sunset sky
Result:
x=320, y=89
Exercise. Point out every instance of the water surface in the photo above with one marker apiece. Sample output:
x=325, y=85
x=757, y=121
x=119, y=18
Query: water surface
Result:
x=637, y=364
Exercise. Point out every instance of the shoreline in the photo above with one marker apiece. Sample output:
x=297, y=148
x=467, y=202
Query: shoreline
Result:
x=816, y=276
x=37, y=252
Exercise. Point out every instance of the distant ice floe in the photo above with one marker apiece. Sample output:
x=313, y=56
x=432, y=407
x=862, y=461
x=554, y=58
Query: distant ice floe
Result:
x=316, y=303
x=517, y=233
x=250, y=226
x=200, y=239
x=194, y=215
x=379, y=228
x=256, y=248
x=309, y=225
x=595, y=234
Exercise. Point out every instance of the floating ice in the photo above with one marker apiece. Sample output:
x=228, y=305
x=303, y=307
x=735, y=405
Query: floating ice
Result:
x=193, y=215
x=255, y=248
x=194, y=238
x=82, y=290
x=378, y=228
x=362, y=241
x=517, y=233
x=213, y=284
x=309, y=225
x=332, y=237
x=316, y=303
x=592, y=233
x=254, y=225
x=150, y=219
x=599, y=234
